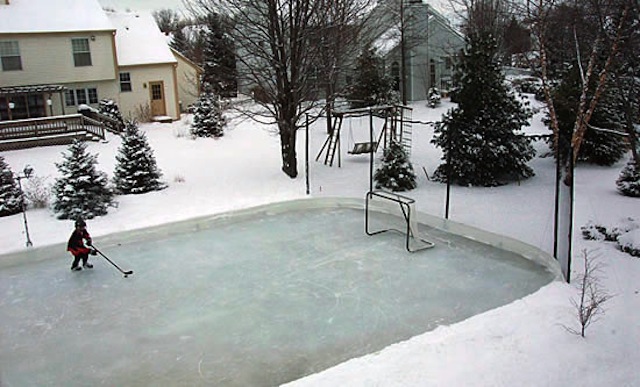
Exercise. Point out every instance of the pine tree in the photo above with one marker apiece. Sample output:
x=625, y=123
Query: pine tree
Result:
x=81, y=191
x=10, y=194
x=598, y=147
x=136, y=169
x=481, y=137
x=109, y=108
x=396, y=172
x=180, y=42
x=629, y=181
x=208, y=118
x=219, y=61
x=370, y=87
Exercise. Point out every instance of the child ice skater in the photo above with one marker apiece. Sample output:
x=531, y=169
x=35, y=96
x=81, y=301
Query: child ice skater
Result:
x=77, y=248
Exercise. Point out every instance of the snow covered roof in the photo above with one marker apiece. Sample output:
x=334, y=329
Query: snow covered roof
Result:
x=139, y=41
x=36, y=16
x=387, y=41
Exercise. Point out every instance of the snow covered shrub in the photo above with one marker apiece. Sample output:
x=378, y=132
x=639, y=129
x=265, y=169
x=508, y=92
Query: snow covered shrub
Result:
x=434, y=97
x=593, y=231
x=110, y=109
x=208, y=117
x=81, y=190
x=630, y=242
x=629, y=181
x=396, y=172
x=10, y=195
x=626, y=234
x=37, y=192
x=136, y=169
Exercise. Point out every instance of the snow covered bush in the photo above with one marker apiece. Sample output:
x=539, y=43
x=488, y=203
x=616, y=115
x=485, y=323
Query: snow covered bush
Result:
x=434, y=97
x=481, y=137
x=208, y=117
x=81, y=190
x=630, y=242
x=626, y=234
x=110, y=109
x=136, y=169
x=37, y=192
x=396, y=172
x=628, y=182
x=10, y=195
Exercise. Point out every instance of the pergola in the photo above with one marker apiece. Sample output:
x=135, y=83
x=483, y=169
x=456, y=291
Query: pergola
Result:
x=17, y=102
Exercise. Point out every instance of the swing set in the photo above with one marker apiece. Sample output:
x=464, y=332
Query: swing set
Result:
x=395, y=123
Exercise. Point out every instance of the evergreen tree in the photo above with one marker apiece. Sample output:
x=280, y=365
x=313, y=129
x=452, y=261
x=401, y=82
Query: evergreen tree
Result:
x=109, y=108
x=136, y=169
x=81, y=191
x=10, y=194
x=370, y=87
x=396, y=172
x=180, y=42
x=598, y=147
x=219, y=61
x=629, y=181
x=208, y=117
x=481, y=136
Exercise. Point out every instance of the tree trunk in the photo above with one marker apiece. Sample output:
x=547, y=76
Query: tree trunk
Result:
x=563, y=222
x=288, y=144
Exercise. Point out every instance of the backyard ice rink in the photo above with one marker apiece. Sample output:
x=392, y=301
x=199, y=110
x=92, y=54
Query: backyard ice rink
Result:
x=260, y=297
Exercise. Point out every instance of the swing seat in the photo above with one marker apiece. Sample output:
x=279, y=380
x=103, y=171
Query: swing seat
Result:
x=362, y=147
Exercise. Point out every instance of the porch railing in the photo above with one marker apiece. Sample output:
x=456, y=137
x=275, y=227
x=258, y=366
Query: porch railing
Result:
x=55, y=130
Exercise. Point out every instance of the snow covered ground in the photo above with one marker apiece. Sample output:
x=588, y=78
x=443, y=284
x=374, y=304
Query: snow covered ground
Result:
x=525, y=343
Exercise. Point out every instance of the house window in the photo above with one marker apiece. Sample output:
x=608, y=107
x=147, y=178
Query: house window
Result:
x=125, y=82
x=69, y=98
x=81, y=52
x=81, y=96
x=93, y=95
x=10, y=56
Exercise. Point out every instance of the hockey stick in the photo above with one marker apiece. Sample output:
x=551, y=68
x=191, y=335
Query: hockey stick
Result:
x=126, y=273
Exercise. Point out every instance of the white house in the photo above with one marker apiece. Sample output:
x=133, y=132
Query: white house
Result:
x=431, y=45
x=58, y=54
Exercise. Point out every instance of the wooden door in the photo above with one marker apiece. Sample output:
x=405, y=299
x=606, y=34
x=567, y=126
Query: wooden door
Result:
x=156, y=90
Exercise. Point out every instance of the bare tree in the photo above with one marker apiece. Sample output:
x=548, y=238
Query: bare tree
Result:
x=604, y=48
x=167, y=20
x=277, y=58
x=592, y=296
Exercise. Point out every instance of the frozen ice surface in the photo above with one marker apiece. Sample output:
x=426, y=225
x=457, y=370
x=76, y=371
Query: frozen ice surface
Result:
x=241, y=301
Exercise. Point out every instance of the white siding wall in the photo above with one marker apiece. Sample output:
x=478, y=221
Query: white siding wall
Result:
x=48, y=59
x=139, y=96
x=188, y=83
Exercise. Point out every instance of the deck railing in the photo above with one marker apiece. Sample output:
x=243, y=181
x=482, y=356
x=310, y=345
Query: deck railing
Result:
x=49, y=130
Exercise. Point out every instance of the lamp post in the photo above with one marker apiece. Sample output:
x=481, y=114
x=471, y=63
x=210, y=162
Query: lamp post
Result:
x=26, y=173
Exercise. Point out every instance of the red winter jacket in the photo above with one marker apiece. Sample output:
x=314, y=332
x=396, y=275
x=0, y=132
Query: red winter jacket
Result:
x=76, y=244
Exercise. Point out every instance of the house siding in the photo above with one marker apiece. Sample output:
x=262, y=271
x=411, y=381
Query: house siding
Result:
x=139, y=98
x=48, y=59
x=188, y=82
